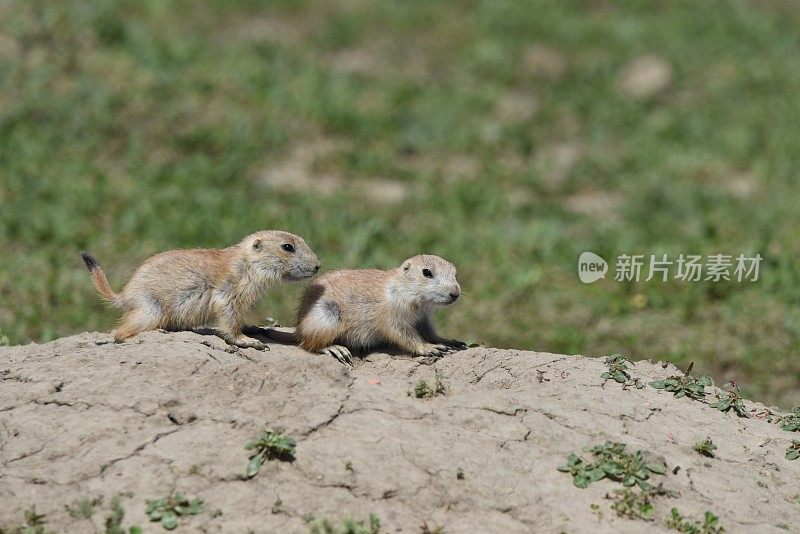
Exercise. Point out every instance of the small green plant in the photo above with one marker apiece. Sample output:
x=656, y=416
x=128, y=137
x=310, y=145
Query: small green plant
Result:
x=82, y=509
x=791, y=421
x=169, y=509
x=3, y=339
x=438, y=384
x=612, y=462
x=277, y=506
x=269, y=445
x=634, y=504
x=424, y=391
x=426, y=529
x=685, y=385
x=348, y=526
x=460, y=474
x=618, y=367
x=34, y=524
x=793, y=452
x=113, y=521
x=540, y=376
x=705, y=448
x=710, y=524
x=731, y=400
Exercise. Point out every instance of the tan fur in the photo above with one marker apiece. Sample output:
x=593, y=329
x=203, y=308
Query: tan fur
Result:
x=103, y=287
x=184, y=289
x=362, y=309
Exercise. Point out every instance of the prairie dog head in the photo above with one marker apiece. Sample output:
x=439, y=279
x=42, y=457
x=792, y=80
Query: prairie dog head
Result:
x=281, y=255
x=430, y=280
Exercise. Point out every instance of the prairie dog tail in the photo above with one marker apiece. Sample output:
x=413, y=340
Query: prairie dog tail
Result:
x=100, y=280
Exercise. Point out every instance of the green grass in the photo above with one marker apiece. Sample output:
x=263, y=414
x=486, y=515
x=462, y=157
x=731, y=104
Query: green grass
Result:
x=127, y=128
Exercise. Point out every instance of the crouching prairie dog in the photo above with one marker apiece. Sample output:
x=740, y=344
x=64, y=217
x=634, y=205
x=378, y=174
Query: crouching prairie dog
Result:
x=185, y=289
x=362, y=309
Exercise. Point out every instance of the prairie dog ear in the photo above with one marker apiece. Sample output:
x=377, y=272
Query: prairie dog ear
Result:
x=406, y=266
x=257, y=243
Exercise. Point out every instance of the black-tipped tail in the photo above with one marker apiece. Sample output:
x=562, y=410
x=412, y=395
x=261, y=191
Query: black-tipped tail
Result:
x=90, y=261
x=99, y=279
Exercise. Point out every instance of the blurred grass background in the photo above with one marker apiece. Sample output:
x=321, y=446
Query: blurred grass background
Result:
x=507, y=136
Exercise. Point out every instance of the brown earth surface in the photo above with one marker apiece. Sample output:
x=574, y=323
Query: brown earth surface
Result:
x=82, y=417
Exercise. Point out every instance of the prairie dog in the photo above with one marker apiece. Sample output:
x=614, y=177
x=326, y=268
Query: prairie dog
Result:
x=361, y=309
x=184, y=289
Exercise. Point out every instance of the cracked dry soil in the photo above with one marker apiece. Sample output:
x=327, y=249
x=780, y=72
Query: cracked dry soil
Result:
x=81, y=417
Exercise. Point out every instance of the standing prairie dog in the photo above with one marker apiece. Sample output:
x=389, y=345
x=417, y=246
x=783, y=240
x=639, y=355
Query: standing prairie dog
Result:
x=185, y=289
x=362, y=309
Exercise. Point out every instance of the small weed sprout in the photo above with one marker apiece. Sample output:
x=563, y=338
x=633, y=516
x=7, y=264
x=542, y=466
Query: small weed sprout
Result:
x=277, y=506
x=685, y=385
x=731, y=400
x=82, y=509
x=705, y=448
x=791, y=421
x=34, y=524
x=618, y=367
x=710, y=524
x=438, y=385
x=348, y=526
x=169, y=509
x=424, y=391
x=540, y=376
x=793, y=452
x=270, y=444
x=612, y=462
x=425, y=529
x=634, y=504
x=113, y=521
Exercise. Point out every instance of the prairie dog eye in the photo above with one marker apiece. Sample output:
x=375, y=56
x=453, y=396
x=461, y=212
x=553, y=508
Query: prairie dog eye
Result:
x=427, y=273
x=287, y=247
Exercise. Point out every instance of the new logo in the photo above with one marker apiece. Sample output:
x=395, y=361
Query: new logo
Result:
x=591, y=267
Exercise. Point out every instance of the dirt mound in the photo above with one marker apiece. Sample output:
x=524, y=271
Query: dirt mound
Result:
x=83, y=418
